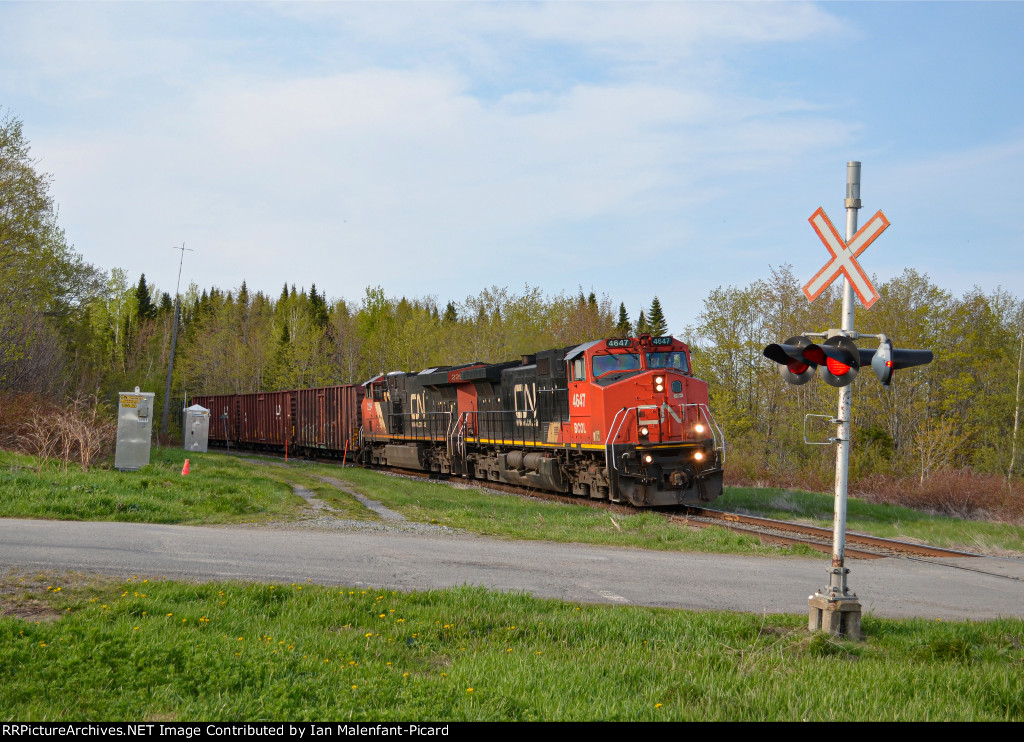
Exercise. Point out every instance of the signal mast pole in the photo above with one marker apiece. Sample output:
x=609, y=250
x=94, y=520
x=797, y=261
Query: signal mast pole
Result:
x=836, y=601
x=174, y=341
x=838, y=577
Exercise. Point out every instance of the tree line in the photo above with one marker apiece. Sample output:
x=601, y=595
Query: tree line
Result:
x=70, y=329
x=961, y=410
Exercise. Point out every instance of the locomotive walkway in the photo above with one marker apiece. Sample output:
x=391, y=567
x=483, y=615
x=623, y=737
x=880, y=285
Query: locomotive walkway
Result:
x=396, y=556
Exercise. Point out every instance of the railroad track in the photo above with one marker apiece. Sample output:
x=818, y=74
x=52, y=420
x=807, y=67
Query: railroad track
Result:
x=784, y=533
x=859, y=545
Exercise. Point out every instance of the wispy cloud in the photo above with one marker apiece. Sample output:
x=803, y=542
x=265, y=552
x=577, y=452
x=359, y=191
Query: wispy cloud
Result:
x=558, y=141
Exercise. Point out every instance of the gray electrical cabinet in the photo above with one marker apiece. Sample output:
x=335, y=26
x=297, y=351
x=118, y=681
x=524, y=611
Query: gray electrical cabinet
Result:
x=134, y=430
x=196, y=428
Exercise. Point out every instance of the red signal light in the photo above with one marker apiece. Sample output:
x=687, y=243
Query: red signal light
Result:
x=837, y=368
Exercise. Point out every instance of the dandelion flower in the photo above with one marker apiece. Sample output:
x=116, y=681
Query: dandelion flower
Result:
x=657, y=705
x=469, y=690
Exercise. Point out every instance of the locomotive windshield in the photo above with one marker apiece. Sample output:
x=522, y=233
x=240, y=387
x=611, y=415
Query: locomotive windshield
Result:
x=607, y=364
x=675, y=359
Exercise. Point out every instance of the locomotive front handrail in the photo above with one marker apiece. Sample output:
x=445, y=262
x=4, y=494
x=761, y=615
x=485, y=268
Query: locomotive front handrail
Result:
x=609, y=450
x=716, y=432
x=717, y=436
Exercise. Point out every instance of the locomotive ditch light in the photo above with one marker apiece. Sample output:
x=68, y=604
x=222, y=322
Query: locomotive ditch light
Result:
x=793, y=366
x=648, y=458
x=645, y=431
x=888, y=359
x=698, y=428
x=699, y=456
x=838, y=360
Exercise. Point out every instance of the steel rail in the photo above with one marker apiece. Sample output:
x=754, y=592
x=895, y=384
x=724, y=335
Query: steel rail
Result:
x=858, y=538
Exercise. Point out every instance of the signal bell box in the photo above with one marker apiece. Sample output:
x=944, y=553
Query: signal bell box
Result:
x=134, y=430
x=196, y=428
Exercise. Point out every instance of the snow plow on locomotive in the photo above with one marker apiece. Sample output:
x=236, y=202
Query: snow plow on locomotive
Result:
x=621, y=419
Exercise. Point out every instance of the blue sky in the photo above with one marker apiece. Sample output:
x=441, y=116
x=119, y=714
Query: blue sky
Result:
x=636, y=149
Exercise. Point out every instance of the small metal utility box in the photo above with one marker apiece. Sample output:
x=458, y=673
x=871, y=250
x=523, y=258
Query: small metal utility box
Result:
x=196, y=428
x=134, y=430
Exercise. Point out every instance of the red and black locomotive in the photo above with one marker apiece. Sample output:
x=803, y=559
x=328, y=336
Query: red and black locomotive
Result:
x=622, y=419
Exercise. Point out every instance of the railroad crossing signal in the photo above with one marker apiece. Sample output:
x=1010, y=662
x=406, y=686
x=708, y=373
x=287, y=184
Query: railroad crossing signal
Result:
x=838, y=359
x=844, y=257
x=888, y=359
x=793, y=367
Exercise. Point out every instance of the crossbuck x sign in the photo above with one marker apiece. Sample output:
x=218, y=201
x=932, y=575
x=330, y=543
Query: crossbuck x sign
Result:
x=844, y=257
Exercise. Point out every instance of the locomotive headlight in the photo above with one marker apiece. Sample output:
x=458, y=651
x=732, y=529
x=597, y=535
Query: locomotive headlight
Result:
x=648, y=458
x=699, y=456
x=659, y=383
x=698, y=428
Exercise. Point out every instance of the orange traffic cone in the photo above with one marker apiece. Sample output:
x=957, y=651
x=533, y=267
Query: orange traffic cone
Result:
x=184, y=469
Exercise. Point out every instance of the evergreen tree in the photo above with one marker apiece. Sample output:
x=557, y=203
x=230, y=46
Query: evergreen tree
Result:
x=641, y=324
x=623, y=328
x=656, y=321
x=318, y=307
x=143, y=301
x=450, y=313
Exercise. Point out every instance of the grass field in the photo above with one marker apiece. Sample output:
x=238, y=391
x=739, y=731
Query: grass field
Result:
x=77, y=647
x=88, y=649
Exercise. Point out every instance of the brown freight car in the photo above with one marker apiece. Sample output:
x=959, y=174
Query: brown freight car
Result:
x=327, y=419
x=315, y=422
x=265, y=420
